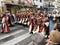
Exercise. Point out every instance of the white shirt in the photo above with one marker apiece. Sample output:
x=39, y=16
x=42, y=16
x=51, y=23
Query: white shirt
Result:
x=3, y=20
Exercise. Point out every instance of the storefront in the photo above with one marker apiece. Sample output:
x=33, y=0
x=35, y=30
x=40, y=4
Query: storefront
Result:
x=13, y=7
x=17, y=7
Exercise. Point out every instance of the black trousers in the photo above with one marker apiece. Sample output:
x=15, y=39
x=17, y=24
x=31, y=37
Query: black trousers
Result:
x=9, y=20
x=57, y=44
x=32, y=28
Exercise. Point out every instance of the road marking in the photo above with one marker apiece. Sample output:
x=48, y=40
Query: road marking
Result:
x=7, y=35
x=18, y=39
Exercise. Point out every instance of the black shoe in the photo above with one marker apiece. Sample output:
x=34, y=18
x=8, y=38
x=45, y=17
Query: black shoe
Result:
x=31, y=32
x=6, y=32
x=2, y=32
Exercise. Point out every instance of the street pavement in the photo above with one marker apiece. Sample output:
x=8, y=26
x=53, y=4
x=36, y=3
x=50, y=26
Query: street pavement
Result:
x=19, y=35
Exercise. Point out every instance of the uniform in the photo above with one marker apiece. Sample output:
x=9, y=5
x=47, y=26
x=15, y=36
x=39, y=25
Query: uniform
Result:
x=3, y=23
x=31, y=26
x=5, y=27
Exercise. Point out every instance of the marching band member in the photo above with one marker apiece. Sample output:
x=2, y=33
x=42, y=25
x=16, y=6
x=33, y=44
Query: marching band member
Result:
x=31, y=26
x=36, y=24
x=20, y=17
x=17, y=15
x=20, y=21
x=25, y=19
x=3, y=23
x=28, y=17
x=7, y=27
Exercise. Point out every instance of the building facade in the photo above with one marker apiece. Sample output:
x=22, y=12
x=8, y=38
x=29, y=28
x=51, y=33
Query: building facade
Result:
x=9, y=5
x=38, y=3
x=15, y=5
x=58, y=4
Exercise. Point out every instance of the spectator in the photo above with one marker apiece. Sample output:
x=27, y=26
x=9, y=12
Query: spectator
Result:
x=54, y=37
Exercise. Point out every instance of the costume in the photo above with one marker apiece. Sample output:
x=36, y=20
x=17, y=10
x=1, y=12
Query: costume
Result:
x=5, y=27
x=3, y=23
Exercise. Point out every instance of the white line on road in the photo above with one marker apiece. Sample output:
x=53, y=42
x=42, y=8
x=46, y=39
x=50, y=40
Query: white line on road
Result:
x=7, y=35
x=18, y=39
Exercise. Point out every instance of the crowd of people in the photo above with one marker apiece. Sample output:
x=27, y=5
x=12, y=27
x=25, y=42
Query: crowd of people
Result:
x=34, y=21
x=8, y=19
x=37, y=22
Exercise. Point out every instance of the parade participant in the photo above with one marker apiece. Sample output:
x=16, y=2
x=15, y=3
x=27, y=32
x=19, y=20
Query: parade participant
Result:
x=20, y=18
x=31, y=26
x=36, y=23
x=14, y=18
x=28, y=19
x=43, y=24
x=28, y=16
x=9, y=20
x=3, y=23
x=25, y=19
x=59, y=15
x=39, y=23
x=17, y=15
x=46, y=23
x=7, y=27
